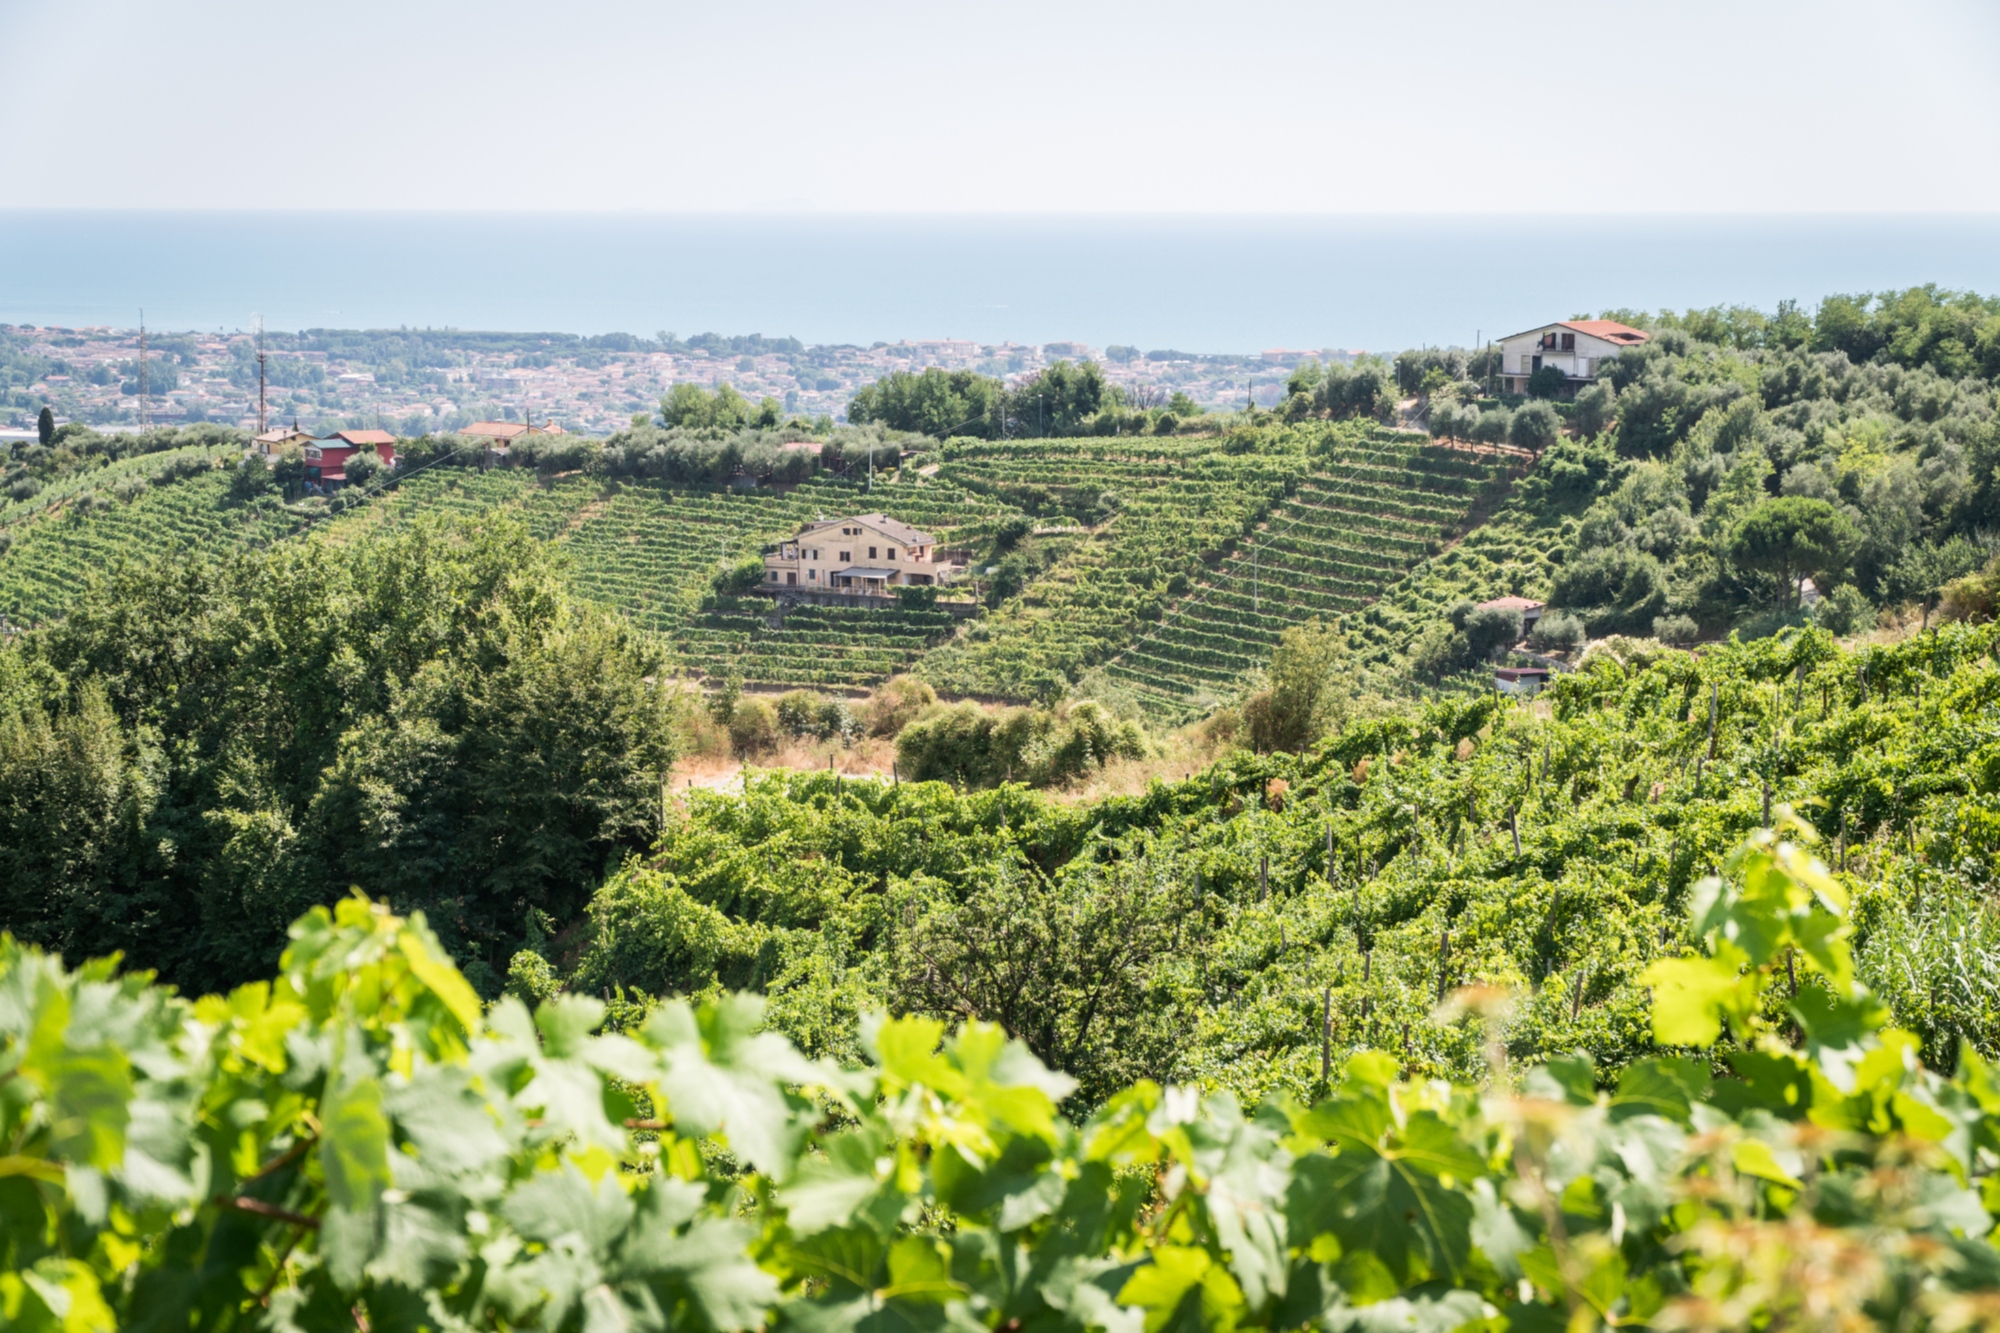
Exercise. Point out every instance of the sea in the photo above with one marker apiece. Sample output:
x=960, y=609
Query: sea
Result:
x=1213, y=284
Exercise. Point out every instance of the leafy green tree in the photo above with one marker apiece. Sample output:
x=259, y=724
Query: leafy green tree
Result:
x=1058, y=400
x=1493, y=426
x=428, y=715
x=1925, y=568
x=1304, y=698
x=362, y=468
x=1489, y=630
x=934, y=402
x=1792, y=538
x=690, y=407
x=1596, y=409
x=1534, y=427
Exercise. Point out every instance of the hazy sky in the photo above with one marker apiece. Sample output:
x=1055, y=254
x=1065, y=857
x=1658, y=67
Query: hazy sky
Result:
x=1324, y=106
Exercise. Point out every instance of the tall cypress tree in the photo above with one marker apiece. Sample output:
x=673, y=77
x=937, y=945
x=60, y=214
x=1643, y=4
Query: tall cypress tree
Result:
x=45, y=426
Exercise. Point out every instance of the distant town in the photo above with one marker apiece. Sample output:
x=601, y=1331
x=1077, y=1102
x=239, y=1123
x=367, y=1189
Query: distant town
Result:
x=416, y=382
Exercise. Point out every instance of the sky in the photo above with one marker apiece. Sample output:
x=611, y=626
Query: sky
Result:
x=1035, y=106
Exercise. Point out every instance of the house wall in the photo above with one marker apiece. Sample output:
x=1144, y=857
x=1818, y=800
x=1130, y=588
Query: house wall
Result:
x=815, y=555
x=1517, y=355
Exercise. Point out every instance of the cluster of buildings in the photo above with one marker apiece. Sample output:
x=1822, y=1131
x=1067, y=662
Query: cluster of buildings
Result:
x=327, y=456
x=87, y=375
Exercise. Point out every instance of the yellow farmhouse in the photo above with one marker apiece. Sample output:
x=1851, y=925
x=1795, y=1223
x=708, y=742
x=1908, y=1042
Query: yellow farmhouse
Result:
x=866, y=553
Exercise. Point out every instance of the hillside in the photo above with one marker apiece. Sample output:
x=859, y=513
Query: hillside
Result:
x=1167, y=566
x=1208, y=930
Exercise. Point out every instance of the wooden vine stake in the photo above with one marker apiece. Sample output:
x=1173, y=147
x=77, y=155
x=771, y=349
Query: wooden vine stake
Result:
x=1576, y=996
x=1714, y=699
x=1444, y=963
x=1326, y=1036
x=1514, y=827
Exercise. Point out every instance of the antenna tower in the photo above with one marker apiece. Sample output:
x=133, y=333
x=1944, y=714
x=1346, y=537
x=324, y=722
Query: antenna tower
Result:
x=145, y=388
x=263, y=415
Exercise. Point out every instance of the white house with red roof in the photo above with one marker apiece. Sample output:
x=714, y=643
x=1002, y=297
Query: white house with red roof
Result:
x=1577, y=347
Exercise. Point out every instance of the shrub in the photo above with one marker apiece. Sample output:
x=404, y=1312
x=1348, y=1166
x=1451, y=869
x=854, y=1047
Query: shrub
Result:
x=530, y=979
x=898, y=703
x=1548, y=382
x=1846, y=610
x=738, y=576
x=753, y=727
x=951, y=744
x=1971, y=597
x=1010, y=532
x=1677, y=629
x=1038, y=746
x=1557, y=632
x=1439, y=651
x=806, y=715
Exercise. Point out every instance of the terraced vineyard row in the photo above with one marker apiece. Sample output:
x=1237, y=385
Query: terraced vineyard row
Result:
x=1166, y=520
x=51, y=554
x=1371, y=511
x=647, y=549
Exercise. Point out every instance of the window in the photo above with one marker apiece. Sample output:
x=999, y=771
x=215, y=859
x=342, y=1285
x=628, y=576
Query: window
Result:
x=892, y=553
x=771, y=574
x=846, y=556
x=1569, y=342
x=812, y=576
x=871, y=553
x=791, y=577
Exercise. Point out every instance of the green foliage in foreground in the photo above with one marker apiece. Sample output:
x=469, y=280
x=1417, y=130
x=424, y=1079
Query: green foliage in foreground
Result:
x=203, y=750
x=357, y=1144
x=1241, y=926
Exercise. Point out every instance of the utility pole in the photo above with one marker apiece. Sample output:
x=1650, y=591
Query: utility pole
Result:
x=145, y=387
x=263, y=413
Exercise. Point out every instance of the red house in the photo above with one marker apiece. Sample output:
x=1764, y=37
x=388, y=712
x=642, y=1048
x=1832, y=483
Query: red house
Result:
x=326, y=460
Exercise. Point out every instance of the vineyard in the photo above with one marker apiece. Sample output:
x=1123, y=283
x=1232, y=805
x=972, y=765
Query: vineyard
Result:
x=1173, y=564
x=1374, y=507
x=65, y=534
x=643, y=547
x=1279, y=908
x=1552, y=1015
x=1201, y=553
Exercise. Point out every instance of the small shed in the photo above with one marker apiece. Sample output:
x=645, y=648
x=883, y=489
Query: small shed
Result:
x=1525, y=682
